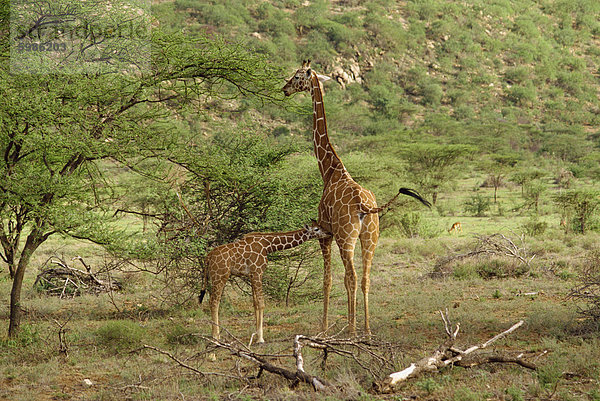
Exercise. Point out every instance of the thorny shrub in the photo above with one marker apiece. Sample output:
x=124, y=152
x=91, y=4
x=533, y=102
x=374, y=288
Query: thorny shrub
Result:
x=587, y=291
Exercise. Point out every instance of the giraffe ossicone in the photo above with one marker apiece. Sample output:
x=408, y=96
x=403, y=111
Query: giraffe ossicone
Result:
x=247, y=257
x=346, y=210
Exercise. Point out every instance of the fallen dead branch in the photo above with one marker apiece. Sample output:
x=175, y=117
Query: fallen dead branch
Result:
x=59, y=279
x=369, y=354
x=295, y=377
x=448, y=354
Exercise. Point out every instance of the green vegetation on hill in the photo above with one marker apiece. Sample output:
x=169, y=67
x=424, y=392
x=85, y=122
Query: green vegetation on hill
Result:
x=503, y=75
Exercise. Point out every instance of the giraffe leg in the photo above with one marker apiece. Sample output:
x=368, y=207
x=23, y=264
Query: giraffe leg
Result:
x=327, y=279
x=259, y=306
x=215, y=299
x=347, y=254
x=368, y=241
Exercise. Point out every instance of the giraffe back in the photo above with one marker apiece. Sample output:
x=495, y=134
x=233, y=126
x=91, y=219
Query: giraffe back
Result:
x=239, y=258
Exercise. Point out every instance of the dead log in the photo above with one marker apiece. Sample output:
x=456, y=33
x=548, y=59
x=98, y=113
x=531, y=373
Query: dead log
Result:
x=448, y=354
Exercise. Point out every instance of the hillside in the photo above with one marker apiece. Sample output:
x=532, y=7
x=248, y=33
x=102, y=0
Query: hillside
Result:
x=448, y=71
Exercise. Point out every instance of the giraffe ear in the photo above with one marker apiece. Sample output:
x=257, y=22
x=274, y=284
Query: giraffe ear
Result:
x=323, y=78
x=313, y=222
x=308, y=72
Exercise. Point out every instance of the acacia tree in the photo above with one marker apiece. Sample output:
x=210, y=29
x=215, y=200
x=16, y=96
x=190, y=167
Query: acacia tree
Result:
x=56, y=125
x=497, y=167
x=433, y=167
x=526, y=175
x=231, y=183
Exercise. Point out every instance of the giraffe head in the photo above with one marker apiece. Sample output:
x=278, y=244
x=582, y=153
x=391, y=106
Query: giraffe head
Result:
x=301, y=81
x=313, y=230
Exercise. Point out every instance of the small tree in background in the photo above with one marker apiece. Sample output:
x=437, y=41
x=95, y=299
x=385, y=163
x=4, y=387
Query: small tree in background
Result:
x=524, y=176
x=533, y=193
x=478, y=205
x=497, y=169
x=434, y=167
x=578, y=205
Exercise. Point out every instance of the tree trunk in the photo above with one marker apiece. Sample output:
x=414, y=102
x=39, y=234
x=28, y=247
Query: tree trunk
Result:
x=34, y=239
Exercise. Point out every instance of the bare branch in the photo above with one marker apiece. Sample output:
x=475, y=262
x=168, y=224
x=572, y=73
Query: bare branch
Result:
x=447, y=354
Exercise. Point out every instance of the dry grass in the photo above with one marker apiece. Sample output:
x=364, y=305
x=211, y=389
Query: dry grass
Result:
x=102, y=332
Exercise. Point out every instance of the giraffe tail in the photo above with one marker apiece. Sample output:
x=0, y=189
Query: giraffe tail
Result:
x=204, y=284
x=403, y=191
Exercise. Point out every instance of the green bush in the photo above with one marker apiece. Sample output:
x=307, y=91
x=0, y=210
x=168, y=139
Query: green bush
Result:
x=466, y=394
x=119, y=335
x=517, y=75
x=521, y=95
x=500, y=268
x=409, y=224
x=477, y=205
x=432, y=94
x=533, y=227
x=412, y=224
x=549, y=374
x=515, y=394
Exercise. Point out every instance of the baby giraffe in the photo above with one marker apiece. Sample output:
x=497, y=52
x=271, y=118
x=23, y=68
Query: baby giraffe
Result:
x=247, y=257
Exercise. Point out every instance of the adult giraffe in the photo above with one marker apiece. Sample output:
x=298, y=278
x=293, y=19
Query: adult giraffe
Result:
x=347, y=210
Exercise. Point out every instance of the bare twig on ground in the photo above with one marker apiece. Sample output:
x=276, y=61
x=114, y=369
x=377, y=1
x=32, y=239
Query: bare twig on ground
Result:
x=185, y=365
x=63, y=348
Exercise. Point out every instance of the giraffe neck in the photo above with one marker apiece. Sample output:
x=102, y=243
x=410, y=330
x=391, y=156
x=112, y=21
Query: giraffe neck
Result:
x=328, y=160
x=286, y=240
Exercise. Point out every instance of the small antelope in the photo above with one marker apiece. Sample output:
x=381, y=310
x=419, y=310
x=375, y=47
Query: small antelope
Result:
x=455, y=227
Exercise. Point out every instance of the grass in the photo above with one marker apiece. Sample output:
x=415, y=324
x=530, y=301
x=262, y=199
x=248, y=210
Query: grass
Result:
x=404, y=304
x=484, y=295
